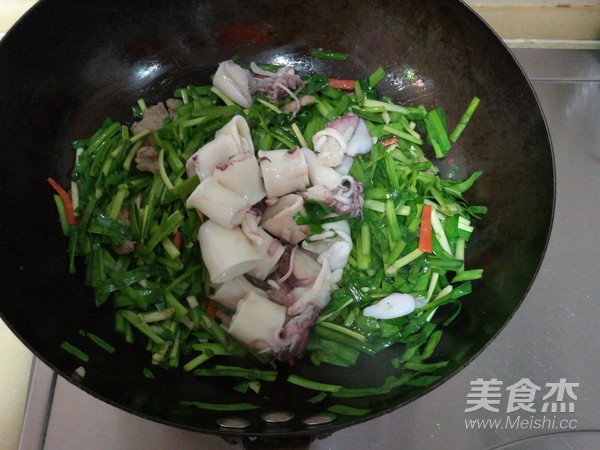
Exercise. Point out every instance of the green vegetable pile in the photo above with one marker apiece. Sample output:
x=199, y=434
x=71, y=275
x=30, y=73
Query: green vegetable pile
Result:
x=160, y=290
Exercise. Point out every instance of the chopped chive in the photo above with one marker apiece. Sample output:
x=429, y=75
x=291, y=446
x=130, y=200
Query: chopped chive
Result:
x=148, y=374
x=346, y=410
x=322, y=54
x=377, y=76
x=100, y=342
x=74, y=351
x=238, y=372
x=62, y=215
x=468, y=275
x=464, y=120
x=401, y=262
x=386, y=106
x=220, y=406
x=311, y=384
x=401, y=134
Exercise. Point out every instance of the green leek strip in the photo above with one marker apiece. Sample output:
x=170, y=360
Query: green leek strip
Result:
x=431, y=345
x=392, y=221
x=168, y=227
x=377, y=76
x=346, y=410
x=437, y=132
x=194, y=122
x=197, y=361
x=318, y=398
x=311, y=384
x=343, y=330
x=157, y=316
x=62, y=215
x=220, y=406
x=238, y=372
x=139, y=136
x=433, y=283
x=374, y=205
x=464, y=120
x=269, y=105
x=401, y=134
x=459, y=251
x=406, y=259
x=459, y=188
x=422, y=367
x=170, y=248
x=390, y=107
x=180, y=310
x=142, y=326
x=358, y=92
x=162, y=171
x=468, y=275
x=439, y=231
x=322, y=54
x=363, y=248
x=74, y=351
x=222, y=96
x=148, y=374
x=98, y=341
x=117, y=203
x=299, y=135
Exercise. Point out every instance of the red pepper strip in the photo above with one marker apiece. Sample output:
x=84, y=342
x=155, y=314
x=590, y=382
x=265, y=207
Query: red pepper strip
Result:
x=425, y=233
x=211, y=310
x=66, y=198
x=177, y=239
x=345, y=85
x=390, y=141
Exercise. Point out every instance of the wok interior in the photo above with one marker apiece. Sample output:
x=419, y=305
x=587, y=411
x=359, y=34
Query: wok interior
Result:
x=98, y=57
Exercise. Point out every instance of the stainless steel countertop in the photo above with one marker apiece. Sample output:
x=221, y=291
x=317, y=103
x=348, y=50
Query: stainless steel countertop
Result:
x=554, y=335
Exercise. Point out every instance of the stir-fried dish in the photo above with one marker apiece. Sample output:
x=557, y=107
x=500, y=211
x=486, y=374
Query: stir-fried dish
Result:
x=276, y=215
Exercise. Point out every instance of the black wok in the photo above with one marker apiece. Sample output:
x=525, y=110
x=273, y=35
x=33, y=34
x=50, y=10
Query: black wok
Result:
x=68, y=64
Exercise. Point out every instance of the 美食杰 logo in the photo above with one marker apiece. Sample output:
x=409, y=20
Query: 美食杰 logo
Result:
x=527, y=405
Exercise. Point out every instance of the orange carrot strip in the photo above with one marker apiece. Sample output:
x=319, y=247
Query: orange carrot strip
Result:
x=66, y=198
x=345, y=85
x=178, y=239
x=390, y=141
x=425, y=233
x=211, y=310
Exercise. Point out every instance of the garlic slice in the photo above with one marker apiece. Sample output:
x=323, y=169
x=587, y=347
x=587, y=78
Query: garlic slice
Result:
x=392, y=306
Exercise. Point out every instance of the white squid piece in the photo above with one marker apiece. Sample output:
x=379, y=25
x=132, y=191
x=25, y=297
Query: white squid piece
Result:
x=231, y=292
x=333, y=245
x=392, y=306
x=210, y=155
x=241, y=174
x=232, y=139
x=345, y=137
x=227, y=253
x=318, y=174
x=218, y=203
x=318, y=294
x=257, y=321
x=305, y=268
x=234, y=81
x=271, y=251
x=238, y=129
x=279, y=219
x=283, y=171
